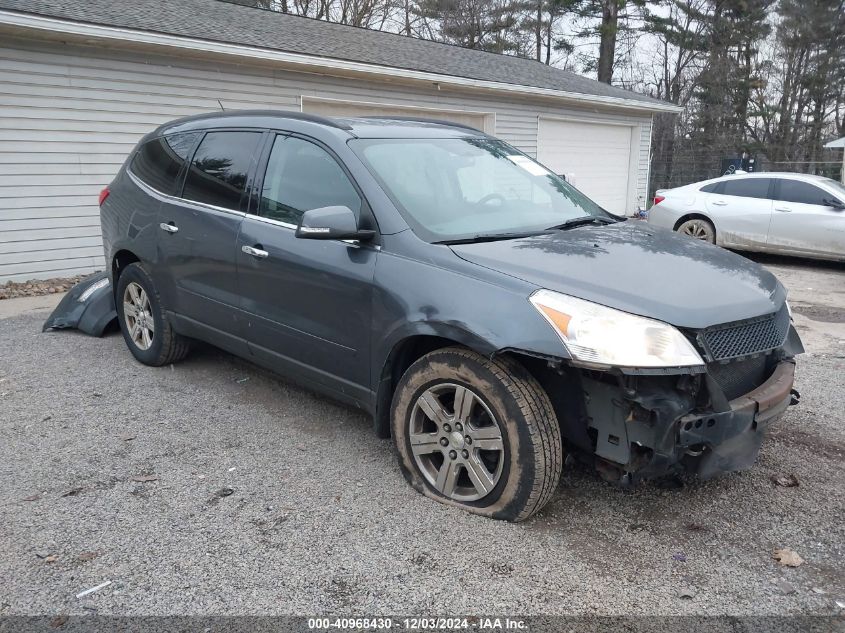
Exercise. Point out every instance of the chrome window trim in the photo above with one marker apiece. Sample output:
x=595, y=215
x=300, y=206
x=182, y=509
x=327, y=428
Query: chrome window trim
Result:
x=210, y=207
x=261, y=218
x=293, y=227
x=164, y=197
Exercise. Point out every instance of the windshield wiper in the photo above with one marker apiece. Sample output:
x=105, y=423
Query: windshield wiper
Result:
x=574, y=222
x=489, y=237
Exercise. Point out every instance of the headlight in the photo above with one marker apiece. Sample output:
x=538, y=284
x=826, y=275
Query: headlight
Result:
x=596, y=334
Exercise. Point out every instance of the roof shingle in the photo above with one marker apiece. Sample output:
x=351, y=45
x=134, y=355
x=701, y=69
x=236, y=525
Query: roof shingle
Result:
x=236, y=24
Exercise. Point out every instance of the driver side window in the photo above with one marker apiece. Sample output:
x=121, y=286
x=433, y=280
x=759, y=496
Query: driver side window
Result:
x=801, y=192
x=302, y=176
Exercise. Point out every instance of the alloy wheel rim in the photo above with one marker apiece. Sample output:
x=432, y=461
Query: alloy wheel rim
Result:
x=138, y=316
x=697, y=230
x=456, y=442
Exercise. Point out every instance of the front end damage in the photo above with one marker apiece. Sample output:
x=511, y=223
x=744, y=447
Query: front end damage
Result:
x=644, y=425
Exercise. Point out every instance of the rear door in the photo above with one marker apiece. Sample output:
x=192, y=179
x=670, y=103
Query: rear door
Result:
x=158, y=169
x=741, y=209
x=306, y=303
x=198, y=230
x=803, y=220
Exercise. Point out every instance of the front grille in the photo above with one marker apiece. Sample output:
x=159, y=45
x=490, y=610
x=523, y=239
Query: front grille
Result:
x=743, y=338
x=738, y=377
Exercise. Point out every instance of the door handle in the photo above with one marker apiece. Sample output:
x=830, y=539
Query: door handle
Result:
x=255, y=252
x=170, y=228
x=720, y=203
x=783, y=209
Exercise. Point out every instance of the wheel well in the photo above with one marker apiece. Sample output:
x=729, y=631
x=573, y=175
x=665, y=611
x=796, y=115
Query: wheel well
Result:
x=120, y=261
x=561, y=384
x=693, y=216
x=405, y=354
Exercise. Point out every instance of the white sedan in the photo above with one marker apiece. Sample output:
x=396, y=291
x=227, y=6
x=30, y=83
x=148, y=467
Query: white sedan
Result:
x=790, y=214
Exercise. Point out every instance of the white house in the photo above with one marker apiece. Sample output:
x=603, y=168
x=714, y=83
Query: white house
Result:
x=81, y=82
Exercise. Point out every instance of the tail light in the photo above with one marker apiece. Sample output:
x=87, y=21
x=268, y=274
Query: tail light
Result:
x=659, y=199
x=105, y=194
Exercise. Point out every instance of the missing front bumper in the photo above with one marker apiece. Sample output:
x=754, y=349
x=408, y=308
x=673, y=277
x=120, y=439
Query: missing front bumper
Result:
x=658, y=428
x=732, y=439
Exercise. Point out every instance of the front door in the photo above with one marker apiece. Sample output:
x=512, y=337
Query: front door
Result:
x=804, y=221
x=742, y=210
x=198, y=230
x=306, y=303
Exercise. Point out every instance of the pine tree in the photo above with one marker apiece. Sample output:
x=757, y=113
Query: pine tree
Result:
x=720, y=121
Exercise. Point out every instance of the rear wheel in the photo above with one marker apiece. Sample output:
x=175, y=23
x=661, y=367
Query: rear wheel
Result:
x=477, y=433
x=699, y=228
x=143, y=321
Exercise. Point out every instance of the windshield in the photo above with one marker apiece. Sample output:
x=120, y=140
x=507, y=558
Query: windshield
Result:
x=465, y=188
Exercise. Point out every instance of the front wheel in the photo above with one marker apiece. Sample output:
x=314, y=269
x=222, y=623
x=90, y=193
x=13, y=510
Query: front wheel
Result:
x=477, y=433
x=699, y=228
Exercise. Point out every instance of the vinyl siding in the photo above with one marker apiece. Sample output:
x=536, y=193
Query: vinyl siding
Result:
x=69, y=115
x=644, y=163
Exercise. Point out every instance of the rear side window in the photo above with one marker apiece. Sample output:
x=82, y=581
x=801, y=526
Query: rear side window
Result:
x=302, y=176
x=797, y=191
x=218, y=172
x=159, y=162
x=747, y=187
x=712, y=187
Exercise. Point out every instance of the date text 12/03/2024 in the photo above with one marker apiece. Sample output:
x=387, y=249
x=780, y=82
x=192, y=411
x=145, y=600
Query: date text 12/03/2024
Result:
x=418, y=623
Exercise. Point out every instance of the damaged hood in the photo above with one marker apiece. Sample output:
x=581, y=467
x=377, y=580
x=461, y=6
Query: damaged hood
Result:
x=638, y=269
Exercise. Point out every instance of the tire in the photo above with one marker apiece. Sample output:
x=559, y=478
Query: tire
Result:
x=161, y=345
x=521, y=470
x=698, y=228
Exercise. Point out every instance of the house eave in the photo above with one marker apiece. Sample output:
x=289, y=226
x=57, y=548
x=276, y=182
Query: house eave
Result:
x=110, y=35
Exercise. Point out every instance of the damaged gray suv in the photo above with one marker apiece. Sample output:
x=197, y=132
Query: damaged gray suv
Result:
x=489, y=316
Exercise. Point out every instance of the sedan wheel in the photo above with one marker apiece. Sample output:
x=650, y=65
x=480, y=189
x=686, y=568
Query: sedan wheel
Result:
x=700, y=229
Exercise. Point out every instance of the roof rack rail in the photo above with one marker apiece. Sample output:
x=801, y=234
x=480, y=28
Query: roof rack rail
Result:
x=287, y=114
x=419, y=119
x=315, y=118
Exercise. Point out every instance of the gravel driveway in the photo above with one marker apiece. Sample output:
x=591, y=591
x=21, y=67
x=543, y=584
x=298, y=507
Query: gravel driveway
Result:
x=212, y=487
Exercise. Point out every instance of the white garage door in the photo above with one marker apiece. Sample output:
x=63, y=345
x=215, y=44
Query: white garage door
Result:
x=329, y=107
x=596, y=157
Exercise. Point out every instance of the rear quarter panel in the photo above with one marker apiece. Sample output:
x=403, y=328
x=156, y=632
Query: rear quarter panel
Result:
x=676, y=204
x=128, y=220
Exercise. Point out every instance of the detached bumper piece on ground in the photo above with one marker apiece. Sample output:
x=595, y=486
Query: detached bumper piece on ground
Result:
x=88, y=306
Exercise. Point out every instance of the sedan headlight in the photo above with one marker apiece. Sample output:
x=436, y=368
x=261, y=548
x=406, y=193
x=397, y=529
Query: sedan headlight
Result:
x=603, y=336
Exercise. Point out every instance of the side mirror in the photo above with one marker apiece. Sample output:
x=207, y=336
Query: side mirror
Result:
x=836, y=204
x=331, y=223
